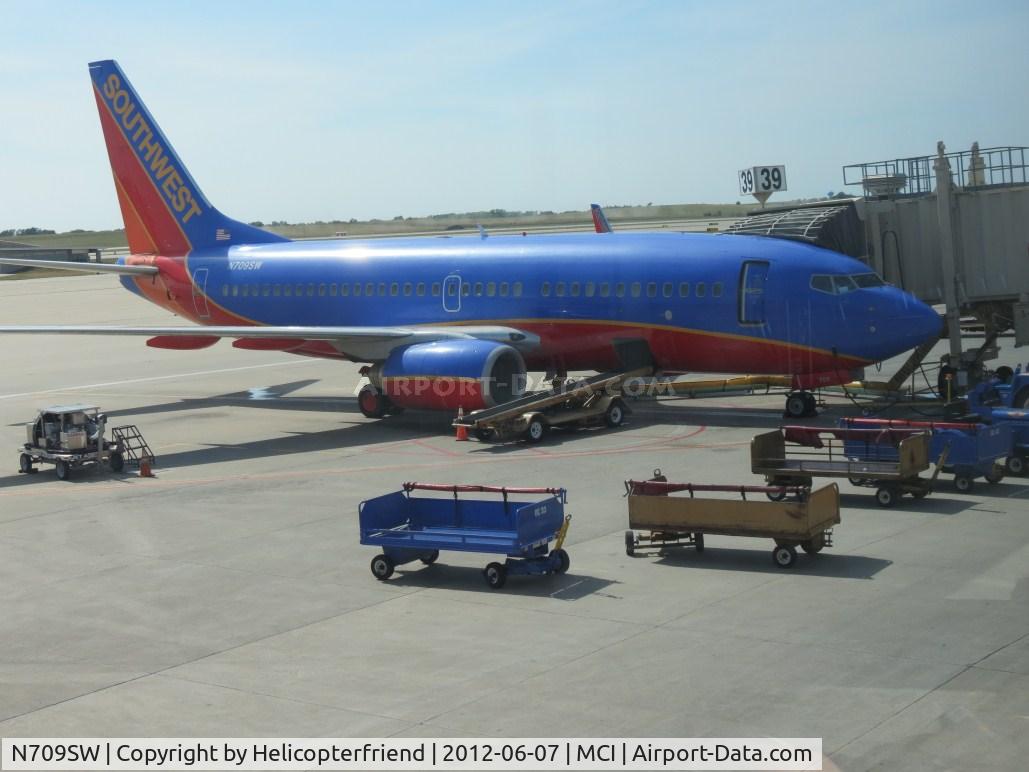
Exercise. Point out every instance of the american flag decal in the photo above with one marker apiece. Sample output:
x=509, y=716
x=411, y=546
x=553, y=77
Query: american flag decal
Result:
x=222, y=235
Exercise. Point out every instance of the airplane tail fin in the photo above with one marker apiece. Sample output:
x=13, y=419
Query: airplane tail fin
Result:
x=600, y=223
x=164, y=210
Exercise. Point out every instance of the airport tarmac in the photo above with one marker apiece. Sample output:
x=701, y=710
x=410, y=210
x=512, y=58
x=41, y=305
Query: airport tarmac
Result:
x=229, y=596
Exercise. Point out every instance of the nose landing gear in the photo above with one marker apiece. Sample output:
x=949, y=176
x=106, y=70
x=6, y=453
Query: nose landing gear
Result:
x=801, y=404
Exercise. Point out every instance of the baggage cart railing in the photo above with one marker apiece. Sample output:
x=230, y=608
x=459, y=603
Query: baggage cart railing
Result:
x=659, y=488
x=504, y=490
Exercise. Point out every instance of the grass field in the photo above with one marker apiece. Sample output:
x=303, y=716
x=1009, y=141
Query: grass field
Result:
x=468, y=220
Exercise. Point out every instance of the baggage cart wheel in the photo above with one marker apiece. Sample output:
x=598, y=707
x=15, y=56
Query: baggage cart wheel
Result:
x=63, y=470
x=536, y=430
x=995, y=475
x=430, y=557
x=563, y=561
x=496, y=575
x=776, y=495
x=483, y=433
x=382, y=567
x=1015, y=465
x=858, y=481
x=814, y=545
x=963, y=483
x=698, y=542
x=116, y=461
x=615, y=414
x=630, y=543
x=887, y=496
x=784, y=556
x=921, y=493
x=25, y=463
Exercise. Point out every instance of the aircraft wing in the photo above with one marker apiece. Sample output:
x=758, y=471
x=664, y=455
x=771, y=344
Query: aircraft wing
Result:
x=368, y=344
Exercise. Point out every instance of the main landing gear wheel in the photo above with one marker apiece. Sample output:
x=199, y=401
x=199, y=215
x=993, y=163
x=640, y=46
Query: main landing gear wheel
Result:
x=372, y=402
x=784, y=555
x=800, y=404
x=25, y=463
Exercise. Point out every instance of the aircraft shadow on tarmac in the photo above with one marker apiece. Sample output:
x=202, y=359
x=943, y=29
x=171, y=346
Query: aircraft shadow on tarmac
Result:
x=936, y=503
x=826, y=563
x=440, y=576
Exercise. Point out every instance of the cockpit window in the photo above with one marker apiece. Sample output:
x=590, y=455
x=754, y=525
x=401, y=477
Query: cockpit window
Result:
x=822, y=283
x=868, y=280
x=840, y=284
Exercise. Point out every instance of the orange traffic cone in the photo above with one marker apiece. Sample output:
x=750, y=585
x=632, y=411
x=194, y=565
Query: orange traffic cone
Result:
x=144, y=468
x=462, y=430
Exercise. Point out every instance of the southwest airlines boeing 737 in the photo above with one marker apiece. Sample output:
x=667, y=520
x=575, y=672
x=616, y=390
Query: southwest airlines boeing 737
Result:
x=456, y=322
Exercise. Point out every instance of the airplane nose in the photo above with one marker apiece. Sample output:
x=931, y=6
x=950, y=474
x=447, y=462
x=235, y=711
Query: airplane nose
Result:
x=917, y=322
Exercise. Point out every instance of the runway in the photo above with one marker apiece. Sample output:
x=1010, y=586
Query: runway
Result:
x=229, y=596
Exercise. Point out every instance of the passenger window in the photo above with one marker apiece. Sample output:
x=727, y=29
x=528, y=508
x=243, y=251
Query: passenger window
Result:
x=357, y=290
x=225, y=290
x=591, y=289
x=559, y=289
x=332, y=290
x=651, y=289
x=701, y=289
x=436, y=289
x=636, y=289
x=277, y=290
x=246, y=290
x=503, y=289
x=684, y=289
x=369, y=289
x=420, y=289
x=491, y=289
x=620, y=289
x=344, y=289
x=516, y=289
x=545, y=289
x=575, y=289
x=716, y=289
x=605, y=290
x=666, y=289
x=478, y=289
x=321, y=290
x=466, y=289
x=288, y=290
x=407, y=289
x=394, y=289
x=310, y=290
x=382, y=289
x=266, y=290
x=253, y=290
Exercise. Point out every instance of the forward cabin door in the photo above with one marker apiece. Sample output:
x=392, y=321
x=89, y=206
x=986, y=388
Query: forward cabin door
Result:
x=753, y=276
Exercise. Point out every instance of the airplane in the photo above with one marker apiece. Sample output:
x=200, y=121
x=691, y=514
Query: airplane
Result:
x=449, y=323
x=600, y=223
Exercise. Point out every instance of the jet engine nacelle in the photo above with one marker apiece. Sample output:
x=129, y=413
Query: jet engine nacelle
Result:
x=448, y=374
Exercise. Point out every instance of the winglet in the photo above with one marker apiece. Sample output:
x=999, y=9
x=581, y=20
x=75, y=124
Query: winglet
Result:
x=600, y=219
x=164, y=210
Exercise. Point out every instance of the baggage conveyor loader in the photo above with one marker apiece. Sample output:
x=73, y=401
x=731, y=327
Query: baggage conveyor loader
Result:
x=594, y=400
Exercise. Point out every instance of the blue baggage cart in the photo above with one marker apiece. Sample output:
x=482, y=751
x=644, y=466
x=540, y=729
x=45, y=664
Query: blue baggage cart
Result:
x=410, y=527
x=1005, y=400
x=972, y=450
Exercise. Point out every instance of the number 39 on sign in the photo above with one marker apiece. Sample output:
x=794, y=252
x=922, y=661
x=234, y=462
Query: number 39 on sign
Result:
x=762, y=179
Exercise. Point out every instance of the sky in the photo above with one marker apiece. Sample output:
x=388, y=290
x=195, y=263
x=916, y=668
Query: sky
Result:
x=306, y=111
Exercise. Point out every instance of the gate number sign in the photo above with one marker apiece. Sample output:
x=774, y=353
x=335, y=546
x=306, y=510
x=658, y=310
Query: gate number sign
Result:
x=762, y=179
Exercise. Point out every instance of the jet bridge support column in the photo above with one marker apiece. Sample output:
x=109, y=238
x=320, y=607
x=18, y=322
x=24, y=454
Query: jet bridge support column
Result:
x=944, y=202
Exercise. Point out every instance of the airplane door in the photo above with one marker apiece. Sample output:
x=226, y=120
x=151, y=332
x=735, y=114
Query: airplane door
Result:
x=752, y=291
x=452, y=293
x=200, y=293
